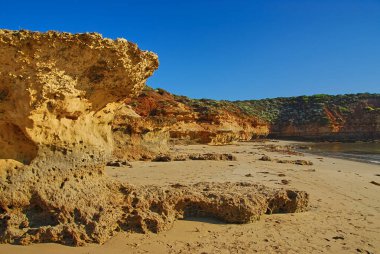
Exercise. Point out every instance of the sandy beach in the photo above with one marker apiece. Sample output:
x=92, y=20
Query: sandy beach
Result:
x=343, y=216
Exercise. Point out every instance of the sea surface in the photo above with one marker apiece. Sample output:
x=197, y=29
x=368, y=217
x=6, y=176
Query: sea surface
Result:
x=365, y=152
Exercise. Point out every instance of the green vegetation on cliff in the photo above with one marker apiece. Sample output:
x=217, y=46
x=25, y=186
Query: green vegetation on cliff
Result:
x=320, y=116
x=309, y=109
x=298, y=110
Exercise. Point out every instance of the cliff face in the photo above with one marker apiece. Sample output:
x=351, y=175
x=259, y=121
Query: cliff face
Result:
x=320, y=117
x=137, y=137
x=164, y=118
x=62, y=114
x=195, y=121
x=60, y=91
x=222, y=122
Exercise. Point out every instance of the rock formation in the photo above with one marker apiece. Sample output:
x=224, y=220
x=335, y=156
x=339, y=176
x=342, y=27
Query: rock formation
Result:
x=137, y=137
x=165, y=118
x=348, y=117
x=193, y=121
x=59, y=92
x=61, y=103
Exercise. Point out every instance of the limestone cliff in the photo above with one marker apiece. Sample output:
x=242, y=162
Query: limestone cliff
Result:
x=164, y=118
x=348, y=117
x=137, y=137
x=61, y=104
x=191, y=121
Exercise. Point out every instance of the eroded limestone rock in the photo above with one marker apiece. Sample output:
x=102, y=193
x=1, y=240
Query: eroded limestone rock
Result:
x=59, y=91
x=58, y=96
x=82, y=208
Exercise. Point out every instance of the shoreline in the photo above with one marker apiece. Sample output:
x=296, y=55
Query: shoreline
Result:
x=343, y=156
x=337, y=155
x=327, y=139
x=370, y=157
x=343, y=216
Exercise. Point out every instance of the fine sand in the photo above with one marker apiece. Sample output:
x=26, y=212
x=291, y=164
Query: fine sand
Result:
x=343, y=217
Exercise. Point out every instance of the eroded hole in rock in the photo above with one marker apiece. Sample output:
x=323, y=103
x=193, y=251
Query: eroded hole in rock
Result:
x=152, y=225
x=134, y=203
x=39, y=216
x=158, y=208
x=77, y=216
x=95, y=73
x=63, y=183
x=192, y=210
x=291, y=194
x=15, y=144
x=3, y=223
x=3, y=94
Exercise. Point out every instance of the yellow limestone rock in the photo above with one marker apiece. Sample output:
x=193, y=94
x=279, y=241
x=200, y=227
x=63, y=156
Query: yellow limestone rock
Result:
x=60, y=90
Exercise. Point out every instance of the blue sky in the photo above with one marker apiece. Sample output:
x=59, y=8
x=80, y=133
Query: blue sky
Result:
x=231, y=49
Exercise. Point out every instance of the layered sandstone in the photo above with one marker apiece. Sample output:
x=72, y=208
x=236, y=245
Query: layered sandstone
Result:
x=164, y=118
x=62, y=111
x=324, y=117
x=348, y=117
x=190, y=121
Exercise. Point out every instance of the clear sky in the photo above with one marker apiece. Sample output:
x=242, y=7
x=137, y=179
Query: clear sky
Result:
x=231, y=49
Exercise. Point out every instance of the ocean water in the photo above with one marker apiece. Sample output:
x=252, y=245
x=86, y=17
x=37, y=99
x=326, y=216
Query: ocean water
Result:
x=365, y=152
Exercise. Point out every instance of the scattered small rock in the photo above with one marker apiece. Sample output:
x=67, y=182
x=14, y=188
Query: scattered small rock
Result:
x=303, y=162
x=118, y=163
x=304, y=147
x=363, y=251
x=297, y=162
x=338, y=238
x=195, y=156
x=180, y=157
x=375, y=183
x=287, y=149
x=266, y=158
x=162, y=158
x=285, y=182
x=213, y=156
x=249, y=175
x=281, y=175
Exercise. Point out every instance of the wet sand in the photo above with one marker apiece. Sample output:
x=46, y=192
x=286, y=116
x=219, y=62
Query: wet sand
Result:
x=344, y=213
